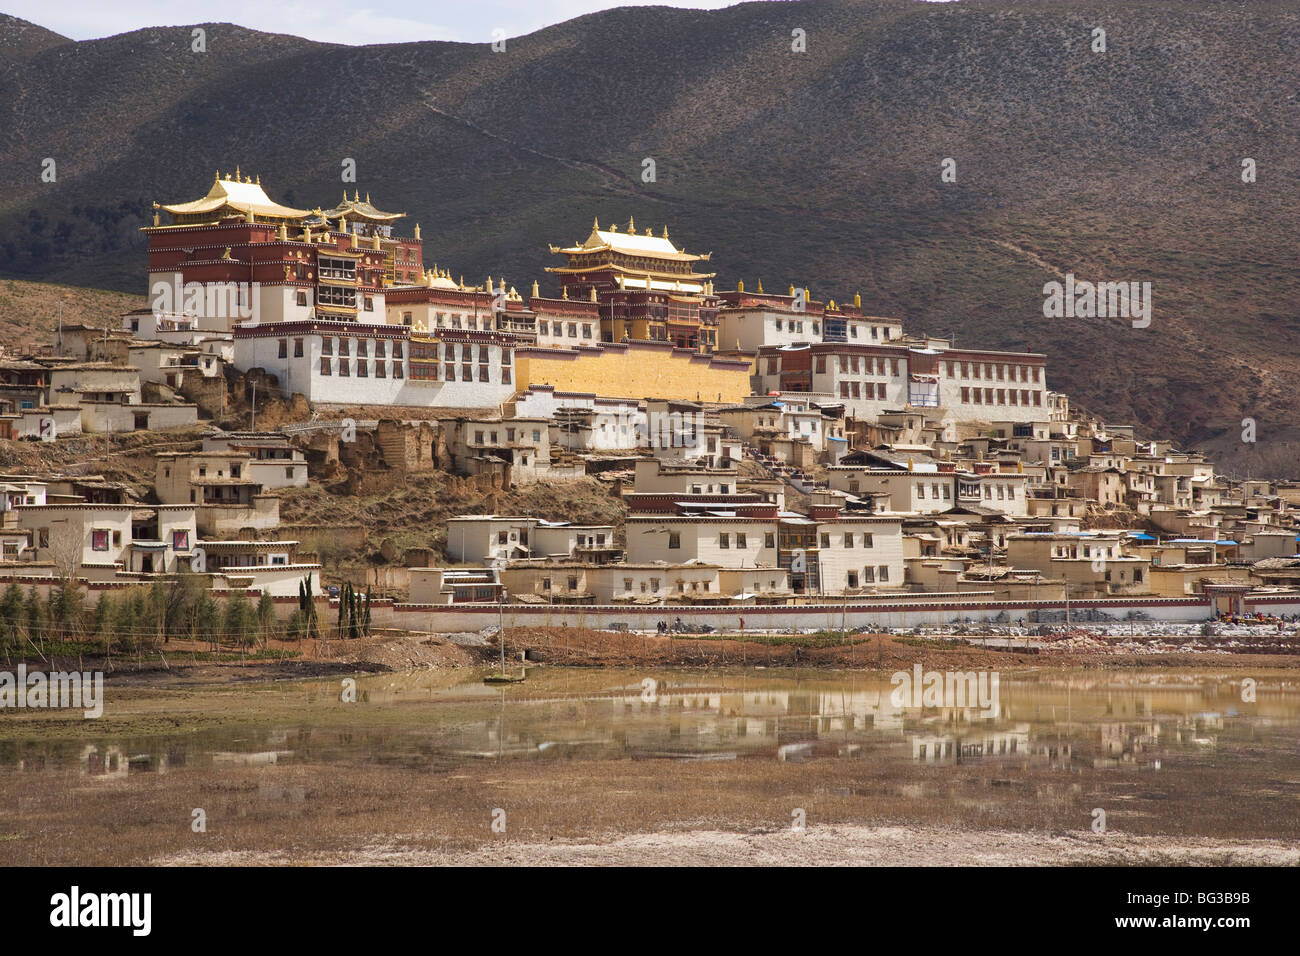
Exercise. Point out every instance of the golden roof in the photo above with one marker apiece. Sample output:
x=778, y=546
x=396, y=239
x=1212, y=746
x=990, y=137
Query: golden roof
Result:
x=244, y=197
x=358, y=208
x=628, y=243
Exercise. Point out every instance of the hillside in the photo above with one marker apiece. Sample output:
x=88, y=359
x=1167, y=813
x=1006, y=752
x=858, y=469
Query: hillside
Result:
x=30, y=311
x=819, y=168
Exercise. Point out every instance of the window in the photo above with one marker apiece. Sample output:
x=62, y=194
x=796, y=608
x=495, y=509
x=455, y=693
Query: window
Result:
x=43, y=537
x=297, y=348
x=180, y=540
x=627, y=584
x=848, y=539
x=301, y=298
x=344, y=347
x=363, y=368
x=573, y=583
x=654, y=585
x=769, y=539
x=674, y=541
x=741, y=540
x=866, y=540
x=288, y=473
x=868, y=575
x=99, y=540
x=573, y=330
x=826, y=540
x=370, y=304
x=345, y=367
x=381, y=368
x=586, y=331
x=327, y=346
x=724, y=540
x=882, y=573
x=284, y=348
x=852, y=579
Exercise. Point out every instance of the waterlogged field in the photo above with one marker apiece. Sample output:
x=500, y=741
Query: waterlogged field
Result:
x=628, y=766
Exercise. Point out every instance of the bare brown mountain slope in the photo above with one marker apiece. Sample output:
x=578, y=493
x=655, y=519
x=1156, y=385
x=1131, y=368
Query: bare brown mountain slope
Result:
x=821, y=168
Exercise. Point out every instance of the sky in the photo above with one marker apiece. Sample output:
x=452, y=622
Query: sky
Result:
x=330, y=21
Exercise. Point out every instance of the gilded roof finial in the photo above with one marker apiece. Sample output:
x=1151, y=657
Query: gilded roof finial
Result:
x=631, y=226
x=593, y=293
x=259, y=179
x=857, y=300
x=216, y=176
x=536, y=289
x=613, y=227
x=564, y=292
x=791, y=290
x=356, y=195
x=649, y=231
x=367, y=197
x=595, y=223
x=740, y=285
x=760, y=284
x=665, y=232
x=237, y=173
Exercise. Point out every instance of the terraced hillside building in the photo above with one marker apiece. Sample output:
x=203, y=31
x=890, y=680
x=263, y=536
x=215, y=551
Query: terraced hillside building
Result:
x=873, y=379
x=647, y=288
x=236, y=257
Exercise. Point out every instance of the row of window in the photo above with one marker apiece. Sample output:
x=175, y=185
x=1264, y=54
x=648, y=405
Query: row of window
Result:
x=363, y=368
x=1000, y=396
x=870, y=364
x=870, y=575
x=991, y=371
x=100, y=538
x=344, y=347
x=868, y=390
x=333, y=295
x=573, y=328
x=491, y=436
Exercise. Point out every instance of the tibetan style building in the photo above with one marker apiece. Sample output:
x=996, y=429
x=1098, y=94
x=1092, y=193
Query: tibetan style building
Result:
x=237, y=257
x=647, y=289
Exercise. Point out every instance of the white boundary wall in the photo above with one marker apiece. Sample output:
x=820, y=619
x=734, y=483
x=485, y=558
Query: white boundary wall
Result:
x=888, y=613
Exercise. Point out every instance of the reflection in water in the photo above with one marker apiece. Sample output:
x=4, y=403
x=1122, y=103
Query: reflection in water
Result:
x=1063, y=721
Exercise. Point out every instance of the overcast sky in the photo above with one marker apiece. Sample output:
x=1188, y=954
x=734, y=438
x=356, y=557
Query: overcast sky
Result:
x=334, y=21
